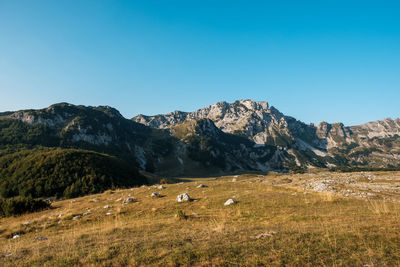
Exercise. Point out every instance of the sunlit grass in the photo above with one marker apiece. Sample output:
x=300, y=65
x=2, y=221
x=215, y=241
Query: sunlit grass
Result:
x=312, y=229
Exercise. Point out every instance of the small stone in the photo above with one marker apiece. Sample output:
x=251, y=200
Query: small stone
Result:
x=229, y=202
x=266, y=234
x=107, y=207
x=155, y=194
x=129, y=199
x=119, y=199
x=183, y=197
x=76, y=217
x=41, y=238
x=160, y=187
x=108, y=213
x=86, y=213
x=27, y=223
x=201, y=186
x=16, y=236
x=60, y=215
x=94, y=200
x=234, y=180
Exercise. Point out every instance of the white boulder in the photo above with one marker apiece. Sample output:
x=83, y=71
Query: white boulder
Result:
x=183, y=197
x=229, y=202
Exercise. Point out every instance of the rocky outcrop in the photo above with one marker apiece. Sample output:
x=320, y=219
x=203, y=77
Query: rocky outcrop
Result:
x=300, y=145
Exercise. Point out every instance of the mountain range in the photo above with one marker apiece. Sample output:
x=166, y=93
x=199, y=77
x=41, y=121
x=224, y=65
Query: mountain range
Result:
x=242, y=136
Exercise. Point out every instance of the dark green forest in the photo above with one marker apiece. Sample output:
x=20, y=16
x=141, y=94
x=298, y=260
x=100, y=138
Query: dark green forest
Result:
x=63, y=173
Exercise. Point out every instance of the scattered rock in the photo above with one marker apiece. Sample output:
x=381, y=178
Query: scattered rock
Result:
x=155, y=194
x=27, y=223
x=107, y=207
x=119, y=199
x=108, y=213
x=16, y=236
x=266, y=234
x=76, y=217
x=160, y=187
x=234, y=180
x=60, y=215
x=201, y=186
x=128, y=200
x=40, y=238
x=86, y=213
x=94, y=200
x=183, y=197
x=229, y=202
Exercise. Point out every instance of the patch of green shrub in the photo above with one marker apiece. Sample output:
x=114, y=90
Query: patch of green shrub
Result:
x=19, y=205
x=63, y=173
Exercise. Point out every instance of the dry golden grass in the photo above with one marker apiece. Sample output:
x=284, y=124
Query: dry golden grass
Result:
x=312, y=229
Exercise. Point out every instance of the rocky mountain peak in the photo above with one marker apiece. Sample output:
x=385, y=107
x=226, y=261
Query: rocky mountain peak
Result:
x=245, y=117
x=253, y=105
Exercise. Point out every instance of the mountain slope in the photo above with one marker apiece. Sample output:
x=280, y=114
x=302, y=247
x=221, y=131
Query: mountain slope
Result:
x=242, y=136
x=371, y=144
x=104, y=130
x=63, y=173
x=101, y=129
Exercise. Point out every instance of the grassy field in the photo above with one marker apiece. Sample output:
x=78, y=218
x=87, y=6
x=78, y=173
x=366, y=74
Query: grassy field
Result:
x=270, y=224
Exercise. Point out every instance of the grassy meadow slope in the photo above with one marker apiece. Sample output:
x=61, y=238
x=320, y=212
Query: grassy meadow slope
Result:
x=274, y=222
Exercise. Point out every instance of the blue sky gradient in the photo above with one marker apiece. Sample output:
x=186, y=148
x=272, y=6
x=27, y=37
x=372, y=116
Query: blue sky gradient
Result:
x=313, y=60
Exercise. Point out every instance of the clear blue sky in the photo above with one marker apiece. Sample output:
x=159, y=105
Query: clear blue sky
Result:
x=314, y=60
